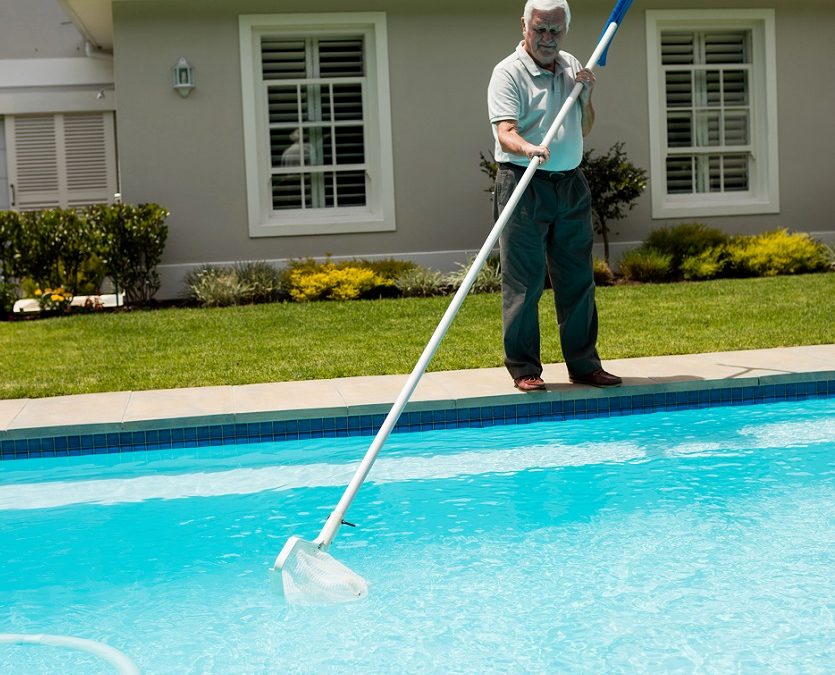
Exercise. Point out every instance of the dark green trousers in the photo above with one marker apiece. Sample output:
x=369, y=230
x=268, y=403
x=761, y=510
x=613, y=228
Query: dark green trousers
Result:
x=550, y=231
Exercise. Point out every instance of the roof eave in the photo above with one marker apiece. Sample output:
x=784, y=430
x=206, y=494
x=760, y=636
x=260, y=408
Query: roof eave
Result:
x=93, y=19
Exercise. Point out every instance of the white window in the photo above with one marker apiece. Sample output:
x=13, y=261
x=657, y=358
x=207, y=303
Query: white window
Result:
x=713, y=112
x=317, y=127
x=4, y=171
x=65, y=160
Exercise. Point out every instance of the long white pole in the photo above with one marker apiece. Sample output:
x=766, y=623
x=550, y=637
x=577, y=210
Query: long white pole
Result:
x=335, y=519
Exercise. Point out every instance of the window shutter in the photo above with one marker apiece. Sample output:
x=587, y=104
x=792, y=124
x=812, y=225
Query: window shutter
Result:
x=677, y=49
x=314, y=90
x=33, y=162
x=706, y=78
x=62, y=160
x=341, y=57
x=725, y=48
x=89, y=159
x=283, y=59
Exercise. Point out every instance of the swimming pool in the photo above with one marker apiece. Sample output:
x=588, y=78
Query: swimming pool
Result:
x=676, y=541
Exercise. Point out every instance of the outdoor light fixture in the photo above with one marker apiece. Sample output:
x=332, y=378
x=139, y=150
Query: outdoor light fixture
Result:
x=183, y=76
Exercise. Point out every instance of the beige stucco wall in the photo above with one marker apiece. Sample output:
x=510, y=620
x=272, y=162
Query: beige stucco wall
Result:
x=187, y=154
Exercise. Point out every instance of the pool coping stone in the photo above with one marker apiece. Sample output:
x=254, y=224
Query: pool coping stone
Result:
x=357, y=405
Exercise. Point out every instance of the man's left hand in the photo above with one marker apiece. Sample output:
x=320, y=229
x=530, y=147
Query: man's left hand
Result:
x=587, y=79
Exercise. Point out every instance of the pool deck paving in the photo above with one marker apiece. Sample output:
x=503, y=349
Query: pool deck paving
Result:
x=352, y=396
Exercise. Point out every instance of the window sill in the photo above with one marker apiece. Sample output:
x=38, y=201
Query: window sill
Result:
x=689, y=207
x=289, y=227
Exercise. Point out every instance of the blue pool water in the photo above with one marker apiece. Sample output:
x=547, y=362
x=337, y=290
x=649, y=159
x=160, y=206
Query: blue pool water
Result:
x=688, y=541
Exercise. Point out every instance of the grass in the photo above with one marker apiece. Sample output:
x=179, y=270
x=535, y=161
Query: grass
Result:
x=171, y=348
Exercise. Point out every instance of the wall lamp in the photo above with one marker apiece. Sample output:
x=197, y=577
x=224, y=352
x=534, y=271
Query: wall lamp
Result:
x=183, y=77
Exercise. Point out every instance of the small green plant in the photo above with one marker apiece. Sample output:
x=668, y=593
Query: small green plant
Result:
x=603, y=275
x=387, y=268
x=685, y=240
x=707, y=264
x=9, y=245
x=421, y=282
x=8, y=297
x=216, y=286
x=646, y=264
x=615, y=185
x=488, y=279
x=264, y=283
x=54, y=300
x=777, y=252
x=490, y=167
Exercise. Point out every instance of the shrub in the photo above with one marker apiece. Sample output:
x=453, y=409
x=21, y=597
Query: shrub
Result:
x=421, y=282
x=9, y=244
x=646, y=264
x=9, y=260
x=490, y=167
x=216, y=286
x=615, y=184
x=8, y=297
x=330, y=282
x=603, y=275
x=263, y=281
x=777, y=252
x=706, y=264
x=488, y=279
x=54, y=248
x=133, y=242
x=387, y=268
x=688, y=239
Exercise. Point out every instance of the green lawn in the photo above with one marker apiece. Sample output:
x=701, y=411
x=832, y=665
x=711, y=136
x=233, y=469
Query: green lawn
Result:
x=265, y=343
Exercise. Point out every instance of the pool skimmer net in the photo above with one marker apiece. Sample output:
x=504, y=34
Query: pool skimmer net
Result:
x=311, y=576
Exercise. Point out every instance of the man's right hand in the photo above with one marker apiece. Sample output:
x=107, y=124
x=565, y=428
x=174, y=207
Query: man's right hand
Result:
x=542, y=151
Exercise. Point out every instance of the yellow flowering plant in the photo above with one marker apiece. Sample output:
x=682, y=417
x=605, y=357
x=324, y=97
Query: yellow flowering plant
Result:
x=53, y=299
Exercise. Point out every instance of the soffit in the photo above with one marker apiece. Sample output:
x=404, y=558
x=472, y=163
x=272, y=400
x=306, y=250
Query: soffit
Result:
x=93, y=19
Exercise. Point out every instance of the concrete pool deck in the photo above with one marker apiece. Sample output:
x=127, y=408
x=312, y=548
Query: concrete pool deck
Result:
x=106, y=413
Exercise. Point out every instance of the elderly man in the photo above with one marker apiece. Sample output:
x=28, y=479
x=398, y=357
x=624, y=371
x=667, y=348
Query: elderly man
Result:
x=551, y=228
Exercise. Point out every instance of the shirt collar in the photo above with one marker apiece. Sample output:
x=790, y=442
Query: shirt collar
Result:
x=535, y=69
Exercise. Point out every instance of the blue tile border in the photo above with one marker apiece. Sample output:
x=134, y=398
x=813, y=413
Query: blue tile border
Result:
x=615, y=403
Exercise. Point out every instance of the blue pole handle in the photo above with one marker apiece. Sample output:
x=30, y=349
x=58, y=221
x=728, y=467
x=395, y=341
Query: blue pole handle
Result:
x=616, y=17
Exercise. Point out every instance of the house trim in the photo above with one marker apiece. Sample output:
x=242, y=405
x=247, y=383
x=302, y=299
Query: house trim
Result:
x=764, y=197
x=379, y=215
x=73, y=84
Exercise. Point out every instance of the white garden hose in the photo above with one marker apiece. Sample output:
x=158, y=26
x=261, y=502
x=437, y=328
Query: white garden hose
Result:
x=122, y=664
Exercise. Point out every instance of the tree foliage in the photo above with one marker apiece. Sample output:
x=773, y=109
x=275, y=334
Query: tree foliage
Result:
x=615, y=185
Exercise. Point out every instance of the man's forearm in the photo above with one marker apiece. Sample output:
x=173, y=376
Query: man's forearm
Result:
x=588, y=116
x=511, y=141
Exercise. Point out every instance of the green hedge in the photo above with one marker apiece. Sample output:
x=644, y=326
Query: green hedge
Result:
x=697, y=252
x=77, y=250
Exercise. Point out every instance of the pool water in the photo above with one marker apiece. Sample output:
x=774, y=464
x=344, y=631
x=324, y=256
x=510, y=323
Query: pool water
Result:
x=689, y=541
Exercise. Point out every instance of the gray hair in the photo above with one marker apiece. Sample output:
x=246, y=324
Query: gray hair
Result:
x=547, y=6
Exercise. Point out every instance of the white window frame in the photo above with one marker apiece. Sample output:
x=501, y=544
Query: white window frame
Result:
x=5, y=203
x=378, y=214
x=762, y=195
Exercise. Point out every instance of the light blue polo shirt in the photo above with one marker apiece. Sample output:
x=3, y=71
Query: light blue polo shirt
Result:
x=520, y=90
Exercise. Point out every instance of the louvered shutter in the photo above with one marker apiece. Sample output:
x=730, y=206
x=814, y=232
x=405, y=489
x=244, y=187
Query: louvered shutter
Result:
x=315, y=109
x=708, y=118
x=62, y=160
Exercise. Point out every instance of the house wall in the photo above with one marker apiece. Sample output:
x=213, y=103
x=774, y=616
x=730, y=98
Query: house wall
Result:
x=187, y=154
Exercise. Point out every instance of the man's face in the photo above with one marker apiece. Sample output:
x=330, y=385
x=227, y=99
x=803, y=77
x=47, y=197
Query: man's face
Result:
x=543, y=34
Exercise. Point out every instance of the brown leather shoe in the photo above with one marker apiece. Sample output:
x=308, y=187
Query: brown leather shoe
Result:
x=529, y=383
x=599, y=378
